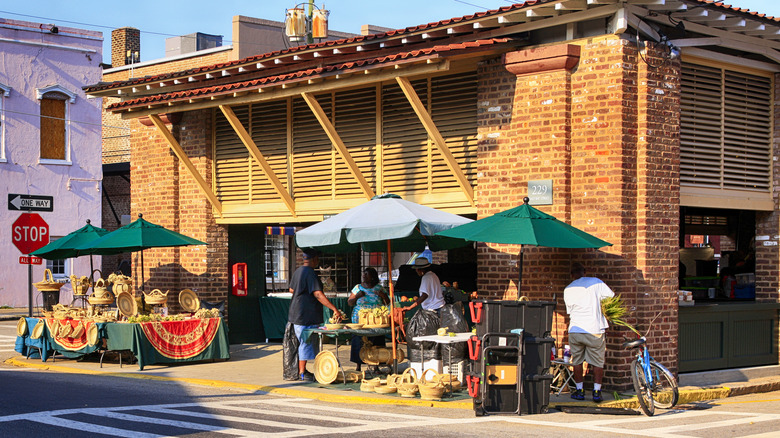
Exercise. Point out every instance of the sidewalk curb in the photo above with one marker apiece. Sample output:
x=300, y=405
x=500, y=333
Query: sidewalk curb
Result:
x=686, y=395
x=335, y=398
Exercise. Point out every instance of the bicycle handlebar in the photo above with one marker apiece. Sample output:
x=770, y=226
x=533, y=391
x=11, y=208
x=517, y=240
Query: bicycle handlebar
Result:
x=635, y=343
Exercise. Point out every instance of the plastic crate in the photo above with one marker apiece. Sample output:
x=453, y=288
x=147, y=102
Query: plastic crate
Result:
x=536, y=393
x=745, y=291
x=534, y=317
x=458, y=370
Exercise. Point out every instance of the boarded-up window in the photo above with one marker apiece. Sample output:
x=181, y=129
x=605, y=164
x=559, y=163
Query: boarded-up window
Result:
x=725, y=129
x=53, y=135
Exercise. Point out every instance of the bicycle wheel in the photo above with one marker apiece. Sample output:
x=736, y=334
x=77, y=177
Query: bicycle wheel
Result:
x=643, y=391
x=665, y=392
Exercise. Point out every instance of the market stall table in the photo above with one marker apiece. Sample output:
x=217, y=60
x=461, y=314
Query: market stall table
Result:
x=341, y=334
x=170, y=341
x=48, y=345
x=274, y=310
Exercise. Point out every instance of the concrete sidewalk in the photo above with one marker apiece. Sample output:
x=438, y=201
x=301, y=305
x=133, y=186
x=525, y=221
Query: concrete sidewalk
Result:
x=258, y=368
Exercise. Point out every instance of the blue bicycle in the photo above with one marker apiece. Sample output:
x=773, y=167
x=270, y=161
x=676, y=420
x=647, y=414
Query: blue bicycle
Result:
x=655, y=386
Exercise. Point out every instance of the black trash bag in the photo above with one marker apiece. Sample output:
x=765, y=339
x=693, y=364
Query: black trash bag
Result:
x=452, y=318
x=290, y=345
x=423, y=323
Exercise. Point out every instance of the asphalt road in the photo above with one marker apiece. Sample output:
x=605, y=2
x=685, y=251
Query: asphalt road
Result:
x=35, y=403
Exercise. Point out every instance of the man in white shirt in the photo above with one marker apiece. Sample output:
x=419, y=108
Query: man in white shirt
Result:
x=586, y=327
x=431, y=297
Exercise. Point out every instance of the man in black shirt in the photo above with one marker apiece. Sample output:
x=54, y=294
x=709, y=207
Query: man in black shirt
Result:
x=306, y=307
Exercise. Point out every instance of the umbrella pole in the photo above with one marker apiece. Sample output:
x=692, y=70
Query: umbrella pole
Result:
x=520, y=275
x=392, y=304
x=143, y=301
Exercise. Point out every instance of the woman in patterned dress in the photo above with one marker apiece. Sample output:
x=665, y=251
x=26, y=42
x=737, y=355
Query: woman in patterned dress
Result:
x=368, y=294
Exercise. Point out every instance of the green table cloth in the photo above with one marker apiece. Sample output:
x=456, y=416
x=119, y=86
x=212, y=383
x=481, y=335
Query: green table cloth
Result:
x=170, y=341
x=274, y=310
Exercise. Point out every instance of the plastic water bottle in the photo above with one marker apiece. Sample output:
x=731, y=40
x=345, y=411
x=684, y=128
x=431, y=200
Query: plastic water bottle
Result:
x=566, y=354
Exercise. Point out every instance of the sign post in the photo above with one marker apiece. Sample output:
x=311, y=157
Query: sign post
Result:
x=29, y=232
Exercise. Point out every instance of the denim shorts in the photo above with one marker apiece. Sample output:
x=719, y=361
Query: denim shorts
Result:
x=306, y=350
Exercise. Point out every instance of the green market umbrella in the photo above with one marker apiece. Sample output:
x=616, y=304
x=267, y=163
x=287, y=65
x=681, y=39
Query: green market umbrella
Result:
x=66, y=247
x=385, y=223
x=137, y=236
x=525, y=225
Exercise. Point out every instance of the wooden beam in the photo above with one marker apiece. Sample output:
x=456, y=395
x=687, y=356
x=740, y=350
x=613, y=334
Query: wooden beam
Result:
x=176, y=147
x=642, y=26
x=258, y=156
x=714, y=30
x=330, y=130
x=694, y=42
x=436, y=136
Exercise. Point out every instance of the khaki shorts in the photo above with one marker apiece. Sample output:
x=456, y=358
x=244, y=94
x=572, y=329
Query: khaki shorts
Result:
x=586, y=347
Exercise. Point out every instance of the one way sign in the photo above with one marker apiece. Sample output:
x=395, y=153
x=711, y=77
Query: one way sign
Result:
x=30, y=202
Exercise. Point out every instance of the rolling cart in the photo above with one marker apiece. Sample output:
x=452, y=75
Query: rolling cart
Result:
x=497, y=384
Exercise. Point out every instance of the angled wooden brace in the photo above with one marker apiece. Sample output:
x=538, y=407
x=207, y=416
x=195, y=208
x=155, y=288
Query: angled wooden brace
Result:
x=258, y=156
x=436, y=136
x=330, y=130
x=176, y=147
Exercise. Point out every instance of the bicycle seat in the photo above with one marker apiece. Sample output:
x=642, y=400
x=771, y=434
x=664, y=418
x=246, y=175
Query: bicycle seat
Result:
x=634, y=344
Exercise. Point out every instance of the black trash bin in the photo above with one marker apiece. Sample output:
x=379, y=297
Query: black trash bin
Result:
x=50, y=298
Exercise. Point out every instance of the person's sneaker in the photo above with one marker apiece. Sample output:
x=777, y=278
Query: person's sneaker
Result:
x=307, y=377
x=597, y=396
x=578, y=394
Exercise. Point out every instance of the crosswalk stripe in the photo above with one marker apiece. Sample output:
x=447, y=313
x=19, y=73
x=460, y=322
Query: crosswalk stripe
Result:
x=88, y=427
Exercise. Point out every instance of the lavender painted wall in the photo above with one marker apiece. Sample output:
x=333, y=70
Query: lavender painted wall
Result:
x=32, y=58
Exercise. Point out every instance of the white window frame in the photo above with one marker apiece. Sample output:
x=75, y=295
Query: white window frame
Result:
x=5, y=91
x=40, y=93
x=66, y=266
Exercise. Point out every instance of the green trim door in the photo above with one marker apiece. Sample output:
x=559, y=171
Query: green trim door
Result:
x=246, y=244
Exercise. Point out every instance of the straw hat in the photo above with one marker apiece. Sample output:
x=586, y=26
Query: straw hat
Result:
x=421, y=263
x=37, y=331
x=21, y=327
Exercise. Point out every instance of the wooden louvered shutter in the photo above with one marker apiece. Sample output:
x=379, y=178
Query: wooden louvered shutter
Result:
x=269, y=132
x=454, y=112
x=355, y=122
x=405, y=141
x=231, y=159
x=725, y=129
x=313, y=155
x=747, y=131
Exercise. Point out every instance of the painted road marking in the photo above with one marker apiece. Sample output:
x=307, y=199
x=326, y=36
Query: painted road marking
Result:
x=291, y=424
x=7, y=343
x=297, y=417
x=611, y=425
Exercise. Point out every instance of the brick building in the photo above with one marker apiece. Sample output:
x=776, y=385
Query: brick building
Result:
x=654, y=122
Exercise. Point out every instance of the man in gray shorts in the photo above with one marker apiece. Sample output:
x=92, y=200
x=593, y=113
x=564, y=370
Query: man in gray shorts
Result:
x=586, y=327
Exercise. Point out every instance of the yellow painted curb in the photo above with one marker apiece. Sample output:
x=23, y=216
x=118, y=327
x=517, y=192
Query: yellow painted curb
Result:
x=333, y=398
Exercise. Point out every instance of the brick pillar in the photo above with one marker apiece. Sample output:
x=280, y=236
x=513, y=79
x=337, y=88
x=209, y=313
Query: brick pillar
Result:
x=658, y=198
x=606, y=133
x=165, y=192
x=123, y=40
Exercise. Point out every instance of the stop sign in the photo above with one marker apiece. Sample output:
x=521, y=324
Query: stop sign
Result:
x=29, y=232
